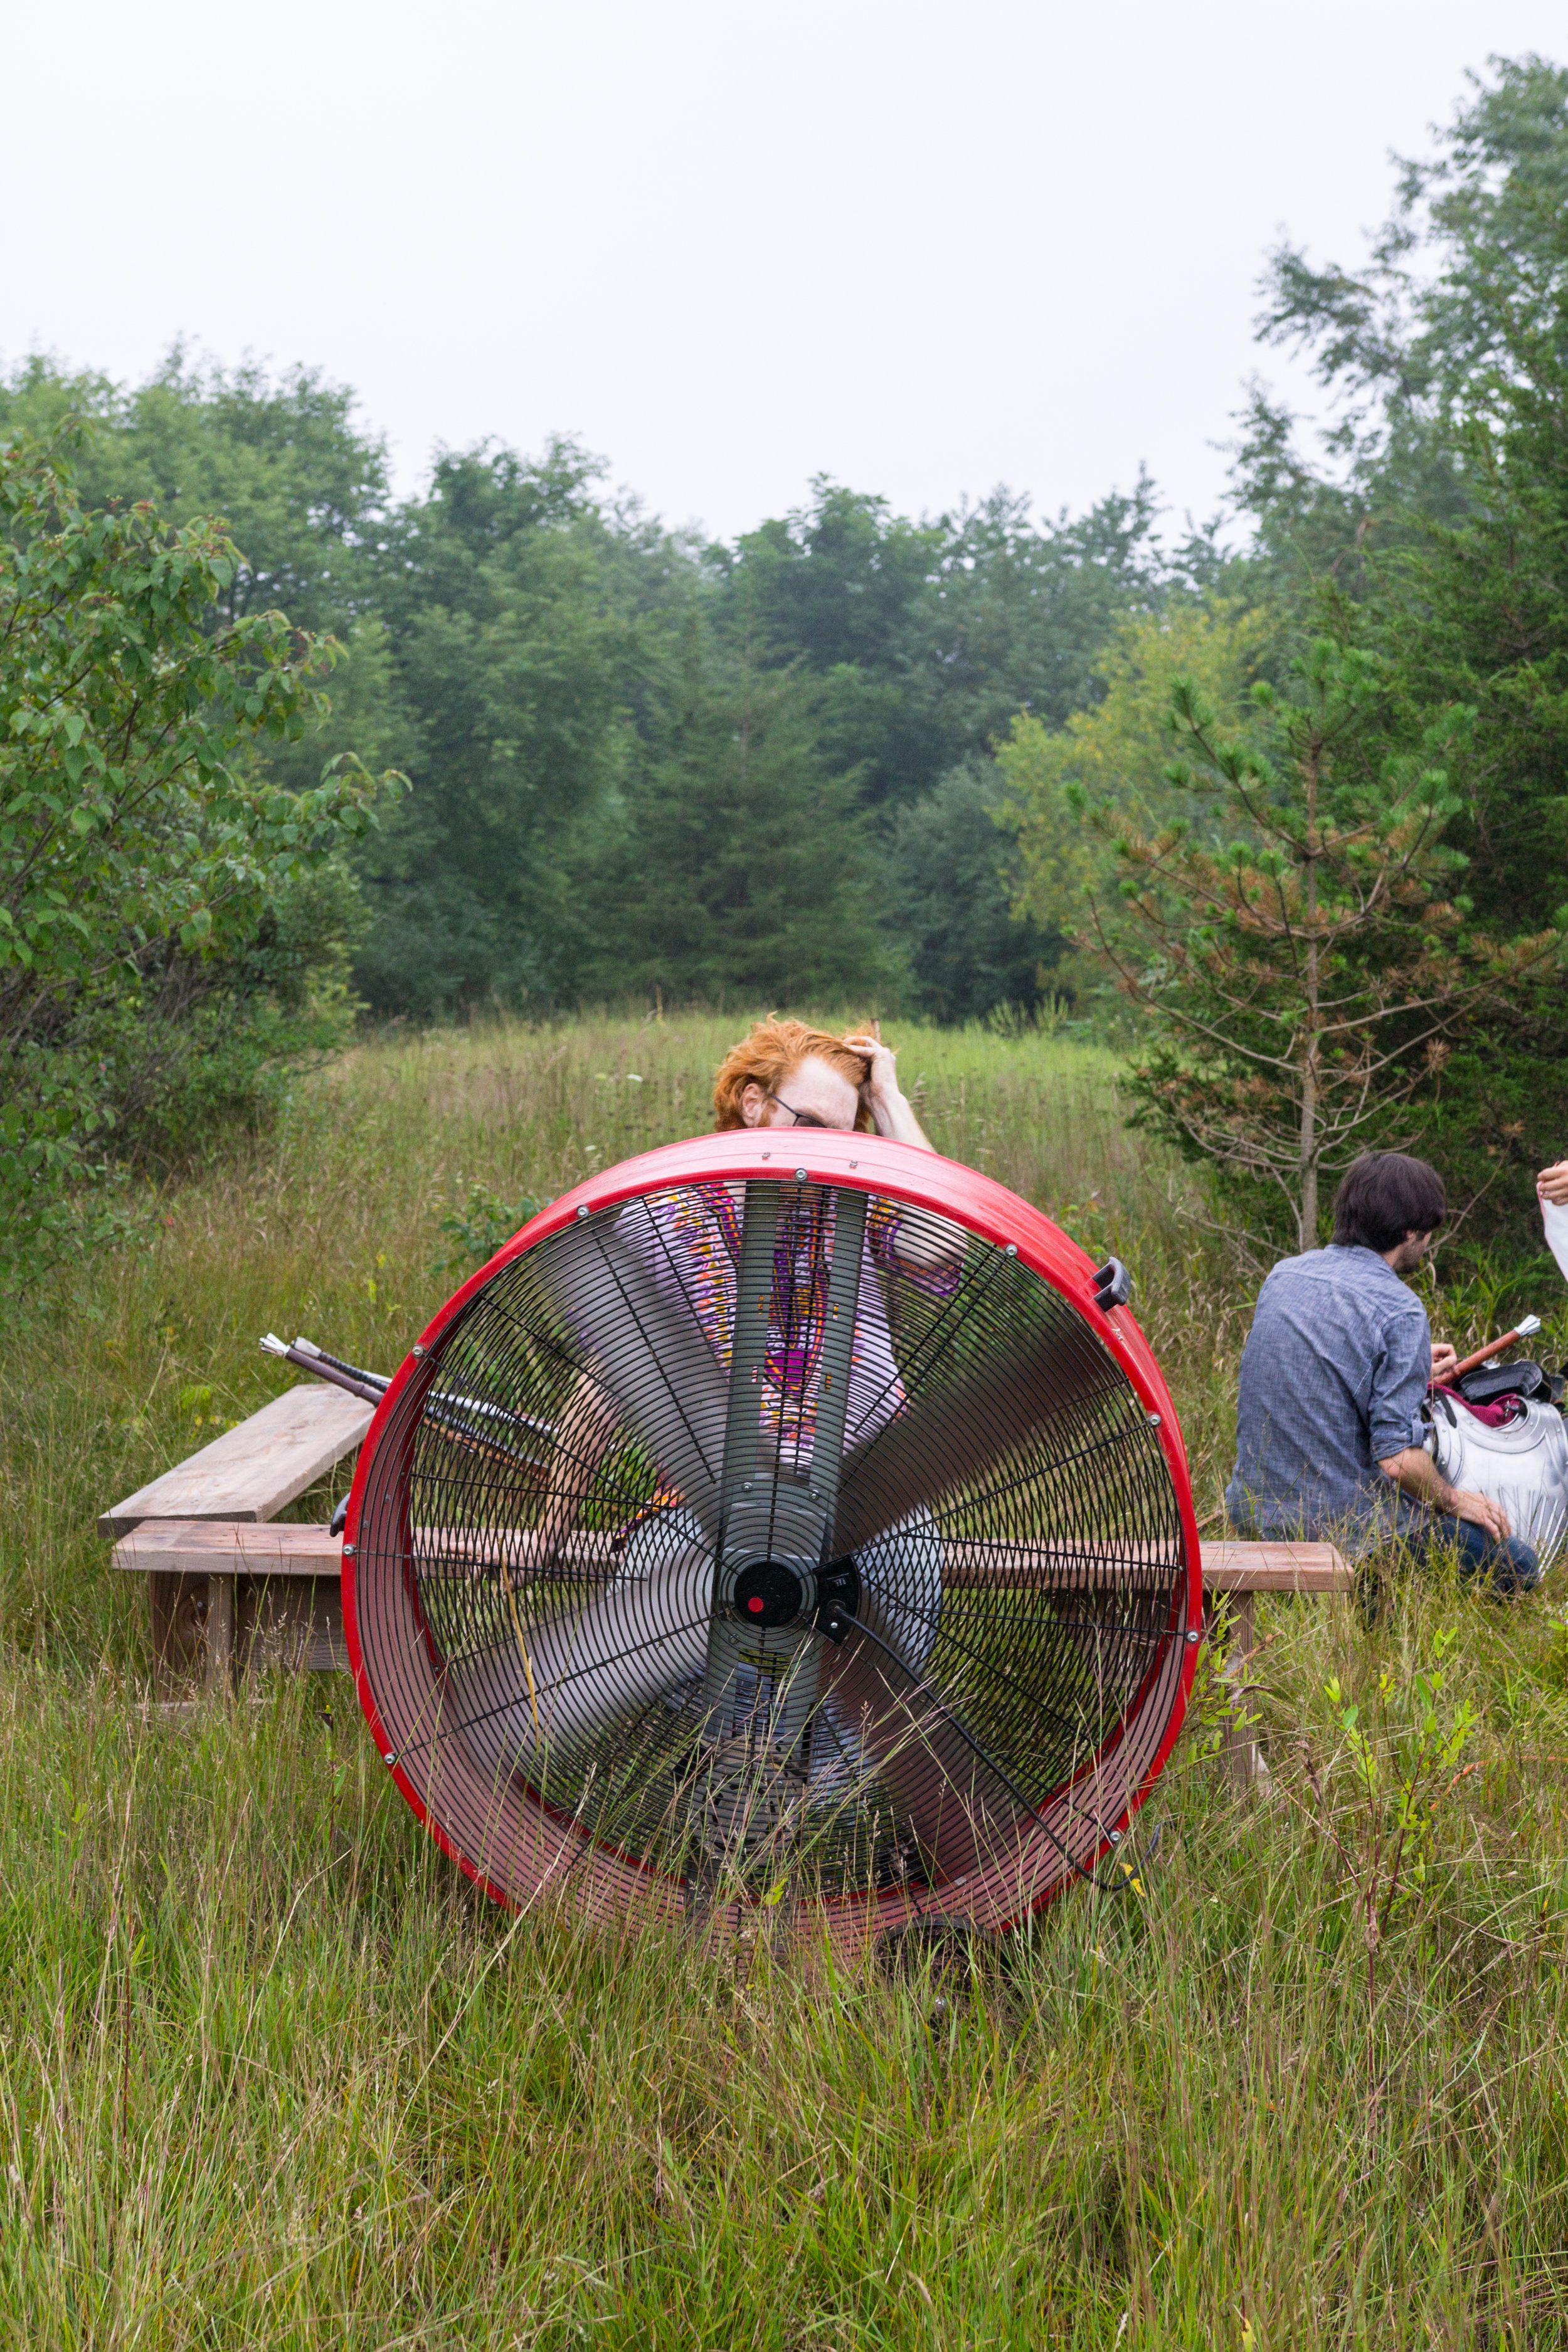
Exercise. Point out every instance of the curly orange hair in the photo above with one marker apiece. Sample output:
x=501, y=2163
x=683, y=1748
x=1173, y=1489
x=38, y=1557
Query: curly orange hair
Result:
x=770, y=1055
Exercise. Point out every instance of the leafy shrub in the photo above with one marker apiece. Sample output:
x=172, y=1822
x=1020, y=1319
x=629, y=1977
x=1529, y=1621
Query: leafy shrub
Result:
x=158, y=954
x=192, y=1051
x=479, y=1227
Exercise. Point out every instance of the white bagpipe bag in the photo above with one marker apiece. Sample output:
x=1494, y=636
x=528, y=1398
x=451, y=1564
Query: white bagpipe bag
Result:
x=1521, y=1465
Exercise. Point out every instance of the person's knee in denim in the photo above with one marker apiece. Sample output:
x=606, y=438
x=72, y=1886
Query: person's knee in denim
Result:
x=1510, y=1566
x=1507, y=1563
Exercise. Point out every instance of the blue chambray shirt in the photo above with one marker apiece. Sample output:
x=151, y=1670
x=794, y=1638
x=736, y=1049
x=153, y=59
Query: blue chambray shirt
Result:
x=1333, y=1375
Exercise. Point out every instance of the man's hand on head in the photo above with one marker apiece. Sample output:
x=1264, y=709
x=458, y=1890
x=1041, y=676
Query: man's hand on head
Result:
x=883, y=1094
x=885, y=1100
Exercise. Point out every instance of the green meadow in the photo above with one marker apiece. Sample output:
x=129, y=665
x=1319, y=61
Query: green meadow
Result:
x=271, y=2073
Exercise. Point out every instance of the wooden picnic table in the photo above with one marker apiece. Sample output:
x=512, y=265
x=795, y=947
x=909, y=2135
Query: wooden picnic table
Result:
x=228, y=1582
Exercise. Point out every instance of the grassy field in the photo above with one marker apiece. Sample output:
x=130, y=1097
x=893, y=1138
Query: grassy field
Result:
x=270, y=2074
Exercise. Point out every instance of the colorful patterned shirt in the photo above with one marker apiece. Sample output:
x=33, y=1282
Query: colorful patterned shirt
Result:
x=690, y=1242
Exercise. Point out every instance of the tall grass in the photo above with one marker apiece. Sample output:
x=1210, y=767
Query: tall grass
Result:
x=270, y=2072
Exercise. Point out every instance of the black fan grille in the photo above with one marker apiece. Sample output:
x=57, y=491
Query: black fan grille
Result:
x=1001, y=1501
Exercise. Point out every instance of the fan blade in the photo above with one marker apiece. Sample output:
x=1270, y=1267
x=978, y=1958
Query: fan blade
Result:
x=944, y=1796
x=770, y=1684
x=585, y=1669
x=752, y=1452
x=1039, y=1361
x=645, y=1347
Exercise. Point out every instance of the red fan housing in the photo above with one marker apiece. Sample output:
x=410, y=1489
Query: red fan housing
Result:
x=777, y=1521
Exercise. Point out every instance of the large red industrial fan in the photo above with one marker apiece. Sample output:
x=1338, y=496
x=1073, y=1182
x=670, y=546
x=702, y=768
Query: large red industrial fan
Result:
x=783, y=1518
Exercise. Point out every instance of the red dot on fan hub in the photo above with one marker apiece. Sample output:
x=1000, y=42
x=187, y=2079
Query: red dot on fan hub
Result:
x=755, y=1604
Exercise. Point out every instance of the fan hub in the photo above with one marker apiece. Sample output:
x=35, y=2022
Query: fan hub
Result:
x=768, y=1591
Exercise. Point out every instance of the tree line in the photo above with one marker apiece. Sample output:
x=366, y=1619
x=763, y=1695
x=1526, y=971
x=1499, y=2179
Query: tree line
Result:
x=639, y=762
x=1281, y=802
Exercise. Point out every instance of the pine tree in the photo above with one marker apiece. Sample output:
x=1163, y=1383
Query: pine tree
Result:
x=744, y=868
x=1307, y=979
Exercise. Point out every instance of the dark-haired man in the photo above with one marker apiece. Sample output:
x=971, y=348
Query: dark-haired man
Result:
x=1333, y=1379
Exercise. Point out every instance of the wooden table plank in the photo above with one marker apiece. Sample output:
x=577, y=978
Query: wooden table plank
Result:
x=222, y=1548
x=1226, y=1566
x=209, y=1547
x=252, y=1471
x=1275, y=1568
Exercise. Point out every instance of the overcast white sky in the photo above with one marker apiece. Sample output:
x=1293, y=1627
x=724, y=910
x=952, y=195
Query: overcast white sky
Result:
x=921, y=248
